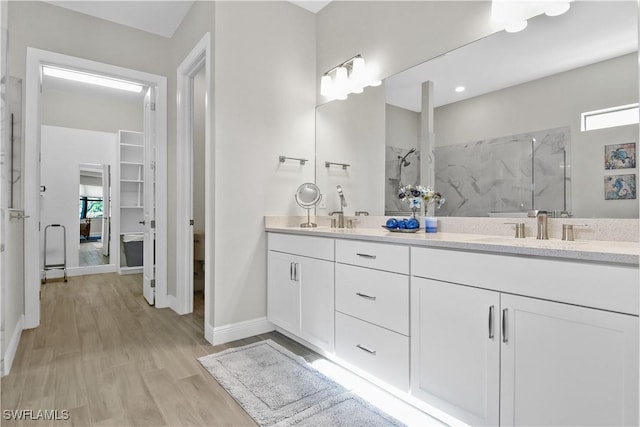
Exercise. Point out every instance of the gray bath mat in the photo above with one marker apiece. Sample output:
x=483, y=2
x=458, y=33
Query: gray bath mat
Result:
x=276, y=387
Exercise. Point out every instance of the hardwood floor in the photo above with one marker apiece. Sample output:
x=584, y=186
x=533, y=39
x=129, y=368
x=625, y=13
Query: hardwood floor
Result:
x=90, y=253
x=110, y=359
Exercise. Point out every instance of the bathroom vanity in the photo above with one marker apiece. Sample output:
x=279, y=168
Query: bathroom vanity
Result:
x=490, y=330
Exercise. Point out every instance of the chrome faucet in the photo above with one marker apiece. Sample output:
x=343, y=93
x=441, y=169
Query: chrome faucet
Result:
x=541, y=216
x=542, y=225
x=340, y=218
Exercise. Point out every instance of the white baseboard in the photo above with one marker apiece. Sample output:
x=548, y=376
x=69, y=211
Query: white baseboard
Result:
x=81, y=271
x=12, y=348
x=238, y=331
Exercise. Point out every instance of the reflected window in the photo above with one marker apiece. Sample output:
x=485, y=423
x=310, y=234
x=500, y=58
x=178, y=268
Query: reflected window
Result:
x=610, y=117
x=90, y=207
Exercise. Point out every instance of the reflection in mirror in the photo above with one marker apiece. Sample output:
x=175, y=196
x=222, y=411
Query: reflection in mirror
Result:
x=507, y=114
x=93, y=214
x=352, y=132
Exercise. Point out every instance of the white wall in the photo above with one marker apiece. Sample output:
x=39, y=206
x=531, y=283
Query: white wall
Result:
x=264, y=101
x=63, y=150
x=402, y=127
x=79, y=109
x=552, y=102
x=352, y=132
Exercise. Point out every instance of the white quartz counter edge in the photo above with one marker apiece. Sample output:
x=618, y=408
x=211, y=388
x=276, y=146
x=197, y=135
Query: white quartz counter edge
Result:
x=592, y=251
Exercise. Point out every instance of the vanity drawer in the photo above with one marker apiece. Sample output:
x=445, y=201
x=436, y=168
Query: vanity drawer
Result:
x=378, y=351
x=380, y=256
x=376, y=296
x=313, y=247
x=607, y=287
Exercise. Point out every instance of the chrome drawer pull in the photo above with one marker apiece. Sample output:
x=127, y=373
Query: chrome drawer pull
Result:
x=369, y=297
x=505, y=338
x=367, y=256
x=491, y=333
x=372, y=352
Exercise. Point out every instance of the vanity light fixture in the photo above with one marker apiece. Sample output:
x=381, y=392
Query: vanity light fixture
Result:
x=352, y=76
x=512, y=15
x=94, y=79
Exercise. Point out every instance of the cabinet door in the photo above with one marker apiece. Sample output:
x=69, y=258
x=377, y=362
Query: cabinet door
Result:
x=567, y=365
x=283, y=292
x=316, y=280
x=455, y=349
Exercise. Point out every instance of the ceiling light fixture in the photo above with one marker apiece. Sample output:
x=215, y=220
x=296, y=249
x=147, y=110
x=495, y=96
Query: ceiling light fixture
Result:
x=512, y=15
x=82, y=77
x=352, y=76
x=459, y=89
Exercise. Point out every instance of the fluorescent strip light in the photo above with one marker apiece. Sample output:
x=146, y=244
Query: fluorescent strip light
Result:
x=93, y=79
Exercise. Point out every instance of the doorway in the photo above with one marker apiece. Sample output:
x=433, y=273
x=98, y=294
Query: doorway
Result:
x=156, y=135
x=195, y=179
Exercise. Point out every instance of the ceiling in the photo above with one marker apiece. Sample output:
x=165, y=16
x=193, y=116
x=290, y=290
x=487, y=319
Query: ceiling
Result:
x=589, y=32
x=157, y=17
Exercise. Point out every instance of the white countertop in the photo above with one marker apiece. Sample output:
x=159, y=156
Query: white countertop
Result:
x=626, y=253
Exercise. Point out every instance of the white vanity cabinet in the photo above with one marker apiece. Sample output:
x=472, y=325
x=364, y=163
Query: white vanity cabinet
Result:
x=372, y=309
x=455, y=349
x=300, y=287
x=489, y=357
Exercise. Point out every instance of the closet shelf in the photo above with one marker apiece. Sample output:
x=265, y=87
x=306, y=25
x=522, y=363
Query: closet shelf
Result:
x=131, y=145
x=131, y=163
x=131, y=207
x=137, y=181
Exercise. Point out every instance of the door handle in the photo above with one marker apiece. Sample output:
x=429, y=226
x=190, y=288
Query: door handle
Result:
x=295, y=271
x=290, y=271
x=491, y=331
x=367, y=256
x=371, y=352
x=505, y=338
x=369, y=297
x=143, y=222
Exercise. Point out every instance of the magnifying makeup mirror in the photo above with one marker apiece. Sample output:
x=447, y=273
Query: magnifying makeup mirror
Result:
x=308, y=196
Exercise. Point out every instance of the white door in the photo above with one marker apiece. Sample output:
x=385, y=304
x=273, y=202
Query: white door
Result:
x=564, y=365
x=149, y=198
x=283, y=292
x=106, y=209
x=315, y=279
x=455, y=349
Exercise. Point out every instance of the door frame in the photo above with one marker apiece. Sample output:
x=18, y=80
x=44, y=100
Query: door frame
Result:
x=35, y=59
x=199, y=56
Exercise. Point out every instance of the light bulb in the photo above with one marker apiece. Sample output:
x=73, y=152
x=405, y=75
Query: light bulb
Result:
x=459, y=89
x=515, y=26
x=326, y=85
x=341, y=85
x=557, y=8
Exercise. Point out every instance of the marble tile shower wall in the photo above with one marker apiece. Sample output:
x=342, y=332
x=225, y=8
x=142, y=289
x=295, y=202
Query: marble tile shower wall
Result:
x=496, y=175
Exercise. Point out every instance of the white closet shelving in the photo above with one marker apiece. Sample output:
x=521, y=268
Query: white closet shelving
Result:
x=131, y=191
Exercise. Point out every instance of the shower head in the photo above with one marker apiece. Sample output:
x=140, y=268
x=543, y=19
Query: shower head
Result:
x=403, y=160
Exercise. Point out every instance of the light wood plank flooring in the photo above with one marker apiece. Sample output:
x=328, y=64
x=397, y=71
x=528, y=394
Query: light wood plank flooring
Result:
x=90, y=253
x=110, y=359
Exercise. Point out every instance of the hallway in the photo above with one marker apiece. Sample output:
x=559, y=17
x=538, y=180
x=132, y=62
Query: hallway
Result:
x=110, y=359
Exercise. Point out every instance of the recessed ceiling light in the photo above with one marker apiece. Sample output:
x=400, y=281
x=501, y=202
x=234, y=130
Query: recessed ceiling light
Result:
x=79, y=76
x=460, y=89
